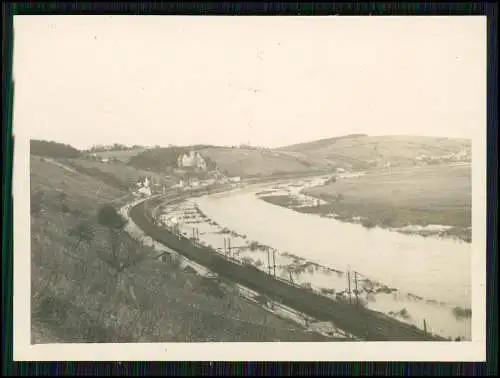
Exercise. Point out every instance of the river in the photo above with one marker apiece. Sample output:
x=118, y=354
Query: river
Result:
x=425, y=278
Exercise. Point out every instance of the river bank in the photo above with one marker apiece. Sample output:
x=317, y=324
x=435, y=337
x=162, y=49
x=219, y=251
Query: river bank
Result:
x=357, y=320
x=446, y=310
x=428, y=201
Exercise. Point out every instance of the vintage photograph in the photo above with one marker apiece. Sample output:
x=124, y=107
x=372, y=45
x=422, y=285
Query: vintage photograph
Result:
x=250, y=179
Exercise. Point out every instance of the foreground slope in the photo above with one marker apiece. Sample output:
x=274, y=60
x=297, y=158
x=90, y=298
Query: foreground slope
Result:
x=77, y=296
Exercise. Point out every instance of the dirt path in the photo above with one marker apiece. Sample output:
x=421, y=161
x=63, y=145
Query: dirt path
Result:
x=61, y=165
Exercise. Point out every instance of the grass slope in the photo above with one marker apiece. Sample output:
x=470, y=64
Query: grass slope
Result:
x=78, y=297
x=351, y=151
x=249, y=162
x=362, y=151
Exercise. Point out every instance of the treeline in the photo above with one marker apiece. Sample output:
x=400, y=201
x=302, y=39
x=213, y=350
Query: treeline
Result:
x=113, y=147
x=159, y=159
x=52, y=149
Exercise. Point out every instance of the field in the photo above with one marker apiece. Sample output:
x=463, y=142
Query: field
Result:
x=123, y=155
x=433, y=195
x=79, y=295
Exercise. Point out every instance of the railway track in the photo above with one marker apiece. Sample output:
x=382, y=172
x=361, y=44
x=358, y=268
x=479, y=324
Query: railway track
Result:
x=360, y=322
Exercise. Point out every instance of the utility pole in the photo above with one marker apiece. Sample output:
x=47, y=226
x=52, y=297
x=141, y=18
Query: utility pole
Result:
x=274, y=262
x=268, y=262
x=229, y=247
x=349, y=285
x=425, y=327
x=225, y=249
x=356, y=287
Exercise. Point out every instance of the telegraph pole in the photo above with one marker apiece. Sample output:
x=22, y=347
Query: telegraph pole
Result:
x=356, y=287
x=274, y=262
x=268, y=262
x=229, y=247
x=349, y=285
x=225, y=241
x=425, y=327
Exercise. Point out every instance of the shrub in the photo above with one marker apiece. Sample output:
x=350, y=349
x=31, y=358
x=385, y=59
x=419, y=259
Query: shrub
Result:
x=109, y=217
x=65, y=208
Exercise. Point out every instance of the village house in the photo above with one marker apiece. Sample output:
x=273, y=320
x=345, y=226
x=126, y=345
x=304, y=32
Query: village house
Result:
x=144, y=188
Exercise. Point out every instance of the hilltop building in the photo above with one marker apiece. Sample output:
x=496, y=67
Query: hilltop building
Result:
x=192, y=160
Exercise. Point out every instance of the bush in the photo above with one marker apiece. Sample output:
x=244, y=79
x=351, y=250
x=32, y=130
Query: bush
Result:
x=65, y=208
x=109, y=217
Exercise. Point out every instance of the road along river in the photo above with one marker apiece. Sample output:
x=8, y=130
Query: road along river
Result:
x=422, y=281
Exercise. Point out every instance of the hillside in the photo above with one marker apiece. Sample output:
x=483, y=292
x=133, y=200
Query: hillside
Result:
x=79, y=294
x=52, y=149
x=249, y=162
x=163, y=159
x=362, y=151
x=356, y=151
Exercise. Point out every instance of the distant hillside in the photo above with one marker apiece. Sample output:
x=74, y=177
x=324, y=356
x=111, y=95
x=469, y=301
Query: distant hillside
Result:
x=52, y=149
x=164, y=158
x=260, y=162
x=363, y=151
x=120, y=155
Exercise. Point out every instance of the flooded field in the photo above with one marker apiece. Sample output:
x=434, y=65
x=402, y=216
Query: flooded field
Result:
x=421, y=281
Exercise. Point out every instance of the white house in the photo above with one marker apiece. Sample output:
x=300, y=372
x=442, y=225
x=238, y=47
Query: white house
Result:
x=235, y=179
x=145, y=191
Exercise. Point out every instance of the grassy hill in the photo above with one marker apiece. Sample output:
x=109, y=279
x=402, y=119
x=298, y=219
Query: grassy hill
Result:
x=249, y=162
x=52, y=149
x=363, y=151
x=120, y=155
x=78, y=295
x=357, y=151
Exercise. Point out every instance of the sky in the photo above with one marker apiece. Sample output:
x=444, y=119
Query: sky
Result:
x=264, y=81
